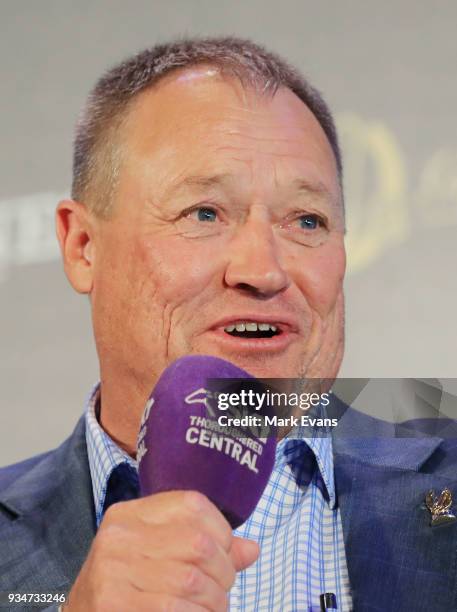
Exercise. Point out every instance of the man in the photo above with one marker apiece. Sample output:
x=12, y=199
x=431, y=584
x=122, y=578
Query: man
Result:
x=207, y=201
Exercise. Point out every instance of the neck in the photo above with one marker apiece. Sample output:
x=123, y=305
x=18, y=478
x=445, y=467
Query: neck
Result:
x=120, y=414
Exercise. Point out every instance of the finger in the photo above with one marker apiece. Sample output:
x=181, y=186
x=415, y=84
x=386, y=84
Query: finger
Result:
x=177, y=507
x=243, y=553
x=180, y=580
x=141, y=601
x=196, y=547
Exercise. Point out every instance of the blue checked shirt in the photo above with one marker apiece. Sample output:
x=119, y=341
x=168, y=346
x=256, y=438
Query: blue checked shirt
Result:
x=296, y=522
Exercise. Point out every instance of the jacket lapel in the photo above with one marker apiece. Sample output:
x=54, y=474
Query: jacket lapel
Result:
x=51, y=519
x=396, y=560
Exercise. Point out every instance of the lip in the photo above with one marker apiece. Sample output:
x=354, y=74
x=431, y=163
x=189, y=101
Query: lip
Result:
x=284, y=324
x=289, y=331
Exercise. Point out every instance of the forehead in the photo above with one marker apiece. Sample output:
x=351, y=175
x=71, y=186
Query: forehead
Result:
x=197, y=122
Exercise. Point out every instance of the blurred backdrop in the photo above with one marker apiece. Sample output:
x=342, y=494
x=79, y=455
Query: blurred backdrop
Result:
x=388, y=71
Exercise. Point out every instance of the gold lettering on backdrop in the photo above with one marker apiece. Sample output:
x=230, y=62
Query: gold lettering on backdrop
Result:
x=375, y=189
x=383, y=210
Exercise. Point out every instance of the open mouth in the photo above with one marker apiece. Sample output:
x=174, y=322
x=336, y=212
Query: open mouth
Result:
x=251, y=329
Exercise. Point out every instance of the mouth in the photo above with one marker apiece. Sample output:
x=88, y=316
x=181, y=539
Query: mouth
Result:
x=252, y=329
x=255, y=333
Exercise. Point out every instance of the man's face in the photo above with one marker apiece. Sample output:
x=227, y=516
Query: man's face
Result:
x=227, y=214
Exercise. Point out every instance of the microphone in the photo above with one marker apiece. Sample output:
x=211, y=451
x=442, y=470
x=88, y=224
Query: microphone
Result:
x=181, y=446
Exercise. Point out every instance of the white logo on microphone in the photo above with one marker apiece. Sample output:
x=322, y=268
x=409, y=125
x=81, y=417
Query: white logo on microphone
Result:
x=201, y=396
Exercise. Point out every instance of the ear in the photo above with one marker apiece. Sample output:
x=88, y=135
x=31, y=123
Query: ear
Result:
x=75, y=235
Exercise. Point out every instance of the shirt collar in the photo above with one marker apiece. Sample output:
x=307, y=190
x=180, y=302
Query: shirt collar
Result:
x=322, y=448
x=103, y=453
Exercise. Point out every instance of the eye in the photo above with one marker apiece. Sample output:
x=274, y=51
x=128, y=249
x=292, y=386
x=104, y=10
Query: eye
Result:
x=204, y=213
x=308, y=229
x=201, y=221
x=309, y=222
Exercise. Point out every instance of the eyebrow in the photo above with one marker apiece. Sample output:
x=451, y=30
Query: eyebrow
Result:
x=314, y=188
x=201, y=182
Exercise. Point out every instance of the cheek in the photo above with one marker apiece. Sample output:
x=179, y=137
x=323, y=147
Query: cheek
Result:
x=177, y=268
x=320, y=277
x=115, y=290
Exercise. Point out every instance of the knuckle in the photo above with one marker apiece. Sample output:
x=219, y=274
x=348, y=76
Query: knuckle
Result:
x=194, y=501
x=108, y=539
x=193, y=580
x=112, y=513
x=202, y=546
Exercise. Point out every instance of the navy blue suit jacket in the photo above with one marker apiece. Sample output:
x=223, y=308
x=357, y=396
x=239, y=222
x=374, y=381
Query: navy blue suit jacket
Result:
x=396, y=560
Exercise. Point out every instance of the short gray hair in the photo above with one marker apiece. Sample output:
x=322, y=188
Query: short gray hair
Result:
x=97, y=156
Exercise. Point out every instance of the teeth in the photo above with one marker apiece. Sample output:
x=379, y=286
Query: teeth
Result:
x=250, y=326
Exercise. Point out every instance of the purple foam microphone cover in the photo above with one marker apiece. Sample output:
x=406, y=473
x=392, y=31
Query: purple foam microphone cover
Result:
x=182, y=447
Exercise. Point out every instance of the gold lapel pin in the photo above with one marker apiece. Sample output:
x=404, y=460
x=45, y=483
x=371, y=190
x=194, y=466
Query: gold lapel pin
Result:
x=440, y=507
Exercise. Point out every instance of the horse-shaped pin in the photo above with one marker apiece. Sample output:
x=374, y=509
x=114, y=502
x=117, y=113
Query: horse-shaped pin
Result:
x=440, y=507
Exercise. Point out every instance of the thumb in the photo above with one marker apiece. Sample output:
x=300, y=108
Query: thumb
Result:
x=243, y=553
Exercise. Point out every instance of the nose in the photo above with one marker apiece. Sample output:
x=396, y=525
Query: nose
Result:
x=254, y=262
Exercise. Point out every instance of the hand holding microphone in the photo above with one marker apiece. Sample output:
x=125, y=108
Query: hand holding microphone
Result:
x=169, y=551
x=174, y=547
